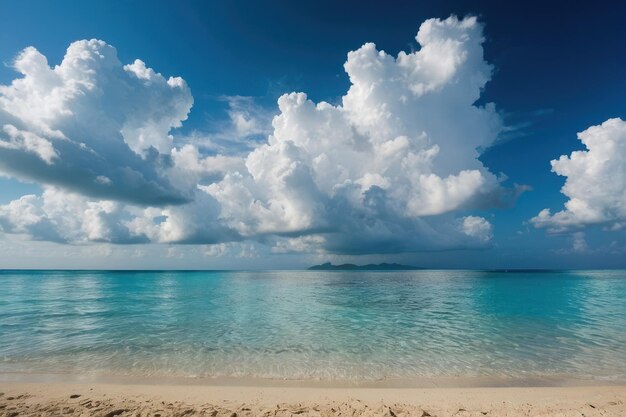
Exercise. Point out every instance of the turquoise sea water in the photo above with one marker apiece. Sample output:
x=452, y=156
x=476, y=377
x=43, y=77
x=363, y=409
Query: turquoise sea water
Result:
x=315, y=325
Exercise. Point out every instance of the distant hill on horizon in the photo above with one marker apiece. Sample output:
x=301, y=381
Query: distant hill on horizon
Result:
x=369, y=267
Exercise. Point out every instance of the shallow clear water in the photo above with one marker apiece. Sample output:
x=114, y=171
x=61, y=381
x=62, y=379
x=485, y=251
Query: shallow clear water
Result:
x=321, y=325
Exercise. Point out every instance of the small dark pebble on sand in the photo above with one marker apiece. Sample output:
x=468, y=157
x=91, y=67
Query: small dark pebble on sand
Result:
x=74, y=395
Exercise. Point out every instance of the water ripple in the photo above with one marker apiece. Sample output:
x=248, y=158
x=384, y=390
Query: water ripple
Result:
x=323, y=325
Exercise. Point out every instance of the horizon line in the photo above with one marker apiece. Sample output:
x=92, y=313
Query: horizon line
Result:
x=504, y=270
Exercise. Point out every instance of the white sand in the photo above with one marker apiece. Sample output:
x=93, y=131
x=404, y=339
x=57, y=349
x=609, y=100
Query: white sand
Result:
x=111, y=399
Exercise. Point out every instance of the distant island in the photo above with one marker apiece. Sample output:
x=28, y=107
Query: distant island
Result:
x=370, y=267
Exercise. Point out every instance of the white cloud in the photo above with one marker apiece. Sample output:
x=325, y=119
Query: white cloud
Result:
x=68, y=217
x=92, y=125
x=64, y=217
x=596, y=179
x=195, y=222
x=383, y=166
x=28, y=142
x=392, y=168
x=477, y=227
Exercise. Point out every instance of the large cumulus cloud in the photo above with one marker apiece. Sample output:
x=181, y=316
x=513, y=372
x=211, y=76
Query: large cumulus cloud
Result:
x=383, y=169
x=92, y=125
x=393, y=167
x=596, y=181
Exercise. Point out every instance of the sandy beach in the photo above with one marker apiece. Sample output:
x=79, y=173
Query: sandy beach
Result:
x=160, y=400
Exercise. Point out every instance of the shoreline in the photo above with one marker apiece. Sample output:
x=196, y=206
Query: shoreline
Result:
x=114, y=399
x=448, y=382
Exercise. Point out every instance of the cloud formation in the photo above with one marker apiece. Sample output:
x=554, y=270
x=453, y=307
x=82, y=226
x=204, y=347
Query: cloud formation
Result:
x=595, y=181
x=477, y=227
x=392, y=168
x=382, y=169
x=92, y=125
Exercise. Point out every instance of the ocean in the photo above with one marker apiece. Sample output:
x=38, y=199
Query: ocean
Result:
x=315, y=325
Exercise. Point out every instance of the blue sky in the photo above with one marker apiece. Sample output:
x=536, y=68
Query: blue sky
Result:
x=556, y=70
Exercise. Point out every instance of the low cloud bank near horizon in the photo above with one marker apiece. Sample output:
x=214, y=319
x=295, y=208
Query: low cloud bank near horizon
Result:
x=394, y=167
